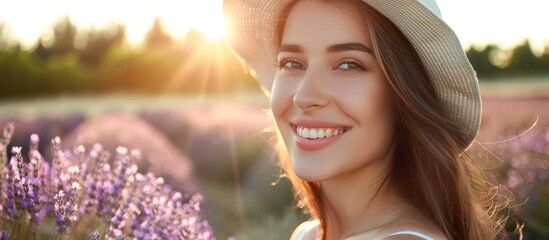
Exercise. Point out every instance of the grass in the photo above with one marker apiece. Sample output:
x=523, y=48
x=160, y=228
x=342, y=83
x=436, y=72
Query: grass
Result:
x=129, y=103
x=511, y=87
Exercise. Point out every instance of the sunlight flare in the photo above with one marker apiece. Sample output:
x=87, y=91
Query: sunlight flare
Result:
x=178, y=16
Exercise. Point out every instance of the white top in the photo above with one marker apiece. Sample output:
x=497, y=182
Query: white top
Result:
x=306, y=231
x=414, y=233
x=309, y=231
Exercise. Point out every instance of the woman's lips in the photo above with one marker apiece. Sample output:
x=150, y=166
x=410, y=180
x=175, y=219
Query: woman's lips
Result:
x=316, y=135
x=315, y=144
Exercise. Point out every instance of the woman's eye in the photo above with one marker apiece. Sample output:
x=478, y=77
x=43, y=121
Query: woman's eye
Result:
x=350, y=66
x=290, y=64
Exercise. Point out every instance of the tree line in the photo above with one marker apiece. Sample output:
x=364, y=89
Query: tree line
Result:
x=103, y=62
x=97, y=61
x=492, y=62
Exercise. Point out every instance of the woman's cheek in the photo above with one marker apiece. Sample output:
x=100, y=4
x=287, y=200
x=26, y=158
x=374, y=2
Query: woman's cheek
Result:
x=281, y=97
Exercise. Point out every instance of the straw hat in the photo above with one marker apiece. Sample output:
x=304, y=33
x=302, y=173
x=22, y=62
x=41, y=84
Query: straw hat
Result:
x=251, y=27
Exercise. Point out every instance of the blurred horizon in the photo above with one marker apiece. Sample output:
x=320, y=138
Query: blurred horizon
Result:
x=477, y=23
x=60, y=47
x=79, y=61
x=137, y=17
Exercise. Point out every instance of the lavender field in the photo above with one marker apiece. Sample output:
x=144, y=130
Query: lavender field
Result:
x=513, y=147
x=221, y=148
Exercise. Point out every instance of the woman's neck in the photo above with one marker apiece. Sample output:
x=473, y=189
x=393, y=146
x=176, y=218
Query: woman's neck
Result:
x=359, y=201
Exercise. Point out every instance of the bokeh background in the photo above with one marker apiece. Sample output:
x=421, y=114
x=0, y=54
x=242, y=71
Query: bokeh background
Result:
x=158, y=76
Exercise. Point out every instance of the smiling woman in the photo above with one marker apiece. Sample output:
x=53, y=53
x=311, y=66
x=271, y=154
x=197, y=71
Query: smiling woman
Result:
x=375, y=105
x=178, y=16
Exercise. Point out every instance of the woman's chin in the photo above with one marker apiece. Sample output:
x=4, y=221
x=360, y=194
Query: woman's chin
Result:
x=310, y=174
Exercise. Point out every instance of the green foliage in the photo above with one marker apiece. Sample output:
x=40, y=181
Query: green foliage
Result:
x=25, y=76
x=102, y=62
x=523, y=60
x=64, y=35
x=4, y=40
x=480, y=59
x=76, y=61
x=157, y=36
x=491, y=61
x=100, y=43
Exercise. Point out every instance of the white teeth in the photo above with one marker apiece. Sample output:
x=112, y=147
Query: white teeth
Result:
x=329, y=132
x=315, y=133
x=305, y=133
x=321, y=133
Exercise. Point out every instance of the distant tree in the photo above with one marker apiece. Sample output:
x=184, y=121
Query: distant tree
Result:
x=100, y=42
x=40, y=51
x=523, y=59
x=64, y=34
x=194, y=38
x=544, y=60
x=480, y=59
x=157, y=36
x=4, y=37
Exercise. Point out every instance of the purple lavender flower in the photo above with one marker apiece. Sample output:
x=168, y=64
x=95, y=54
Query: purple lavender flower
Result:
x=6, y=139
x=95, y=235
x=78, y=182
x=5, y=236
x=66, y=208
x=120, y=175
x=13, y=189
x=34, y=193
x=118, y=221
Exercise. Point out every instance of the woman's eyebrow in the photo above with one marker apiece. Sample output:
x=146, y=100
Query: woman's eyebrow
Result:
x=349, y=47
x=290, y=48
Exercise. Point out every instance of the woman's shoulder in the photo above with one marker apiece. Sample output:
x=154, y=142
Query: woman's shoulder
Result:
x=413, y=229
x=406, y=227
x=408, y=235
x=306, y=231
x=412, y=224
x=400, y=235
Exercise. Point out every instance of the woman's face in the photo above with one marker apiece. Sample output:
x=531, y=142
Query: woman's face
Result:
x=330, y=99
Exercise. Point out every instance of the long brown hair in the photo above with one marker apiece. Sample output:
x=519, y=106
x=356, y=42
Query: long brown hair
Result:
x=431, y=169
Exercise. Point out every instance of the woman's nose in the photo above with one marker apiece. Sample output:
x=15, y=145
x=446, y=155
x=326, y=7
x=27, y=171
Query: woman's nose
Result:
x=311, y=93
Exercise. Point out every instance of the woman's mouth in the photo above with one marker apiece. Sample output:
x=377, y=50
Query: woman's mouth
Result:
x=318, y=133
x=317, y=138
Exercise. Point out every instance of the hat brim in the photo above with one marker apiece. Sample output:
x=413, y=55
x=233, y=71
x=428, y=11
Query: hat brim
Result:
x=251, y=28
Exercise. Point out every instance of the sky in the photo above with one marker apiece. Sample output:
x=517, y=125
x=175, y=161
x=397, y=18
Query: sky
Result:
x=503, y=22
